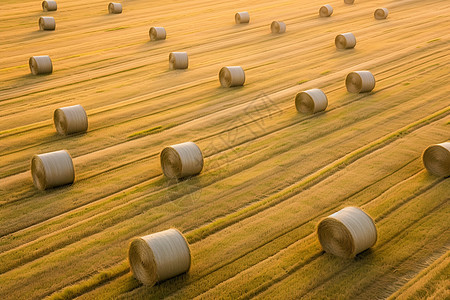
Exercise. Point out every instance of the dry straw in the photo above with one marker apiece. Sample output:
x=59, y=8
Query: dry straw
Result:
x=159, y=256
x=381, y=13
x=242, y=17
x=311, y=101
x=40, y=65
x=178, y=60
x=345, y=41
x=347, y=232
x=181, y=160
x=70, y=119
x=436, y=159
x=114, y=8
x=231, y=76
x=360, y=82
x=49, y=5
x=157, y=33
x=52, y=169
x=349, y=1
x=278, y=27
x=326, y=10
x=47, y=23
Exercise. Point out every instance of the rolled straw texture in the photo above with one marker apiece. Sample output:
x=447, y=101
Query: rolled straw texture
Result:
x=178, y=60
x=70, y=119
x=349, y=1
x=278, y=27
x=381, y=13
x=159, y=256
x=436, y=159
x=157, y=33
x=40, y=65
x=347, y=232
x=242, y=17
x=311, y=101
x=49, y=5
x=231, y=76
x=326, y=10
x=52, y=169
x=360, y=82
x=47, y=23
x=181, y=160
x=114, y=8
x=345, y=41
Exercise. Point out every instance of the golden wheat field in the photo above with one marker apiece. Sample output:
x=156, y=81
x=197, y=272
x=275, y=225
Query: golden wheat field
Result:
x=270, y=173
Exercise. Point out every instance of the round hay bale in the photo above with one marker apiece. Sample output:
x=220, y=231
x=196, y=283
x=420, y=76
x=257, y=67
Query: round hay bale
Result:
x=40, y=65
x=157, y=33
x=178, y=60
x=181, y=160
x=159, y=256
x=436, y=159
x=326, y=10
x=49, y=5
x=52, y=169
x=70, y=119
x=360, y=82
x=347, y=232
x=349, y=1
x=381, y=13
x=47, y=23
x=278, y=27
x=311, y=101
x=242, y=17
x=231, y=76
x=114, y=8
x=345, y=41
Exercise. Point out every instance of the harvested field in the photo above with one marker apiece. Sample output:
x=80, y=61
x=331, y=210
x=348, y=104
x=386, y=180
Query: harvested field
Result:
x=270, y=173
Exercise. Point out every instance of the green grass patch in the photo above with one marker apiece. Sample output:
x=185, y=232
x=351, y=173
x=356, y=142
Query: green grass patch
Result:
x=434, y=40
x=116, y=28
x=302, y=81
x=150, y=131
x=325, y=72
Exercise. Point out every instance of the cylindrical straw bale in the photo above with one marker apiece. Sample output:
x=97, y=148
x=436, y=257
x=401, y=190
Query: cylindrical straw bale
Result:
x=40, y=65
x=70, y=119
x=52, y=169
x=436, y=159
x=349, y=1
x=381, y=13
x=326, y=10
x=49, y=5
x=311, y=101
x=114, y=8
x=347, y=232
x=232, y=76
x=47, y=23
x=181, y=160
x=360, y=82
x=159, y=256
x=345, y=41
x=242, y=17
x=157, y=33
x=278, y=27
x=178, y=60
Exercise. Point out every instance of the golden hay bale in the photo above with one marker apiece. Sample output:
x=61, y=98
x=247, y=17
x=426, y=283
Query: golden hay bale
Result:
x=347, y=232
x=157, y=33
x=311, y=101
x=436, y=159
x=278, y=27
x=178, y=60
x=70, y=119
x=381, y=13
x=114, y=8
x=345, y=41
x=349, y=1
x=49, y=5
x=47, y=23
x=231, y=76
x=159, y=256
x=52, y=169
x=326, y=10
x=360, y=82
x=242, y=17
x=40, y=65
x=181, y=160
